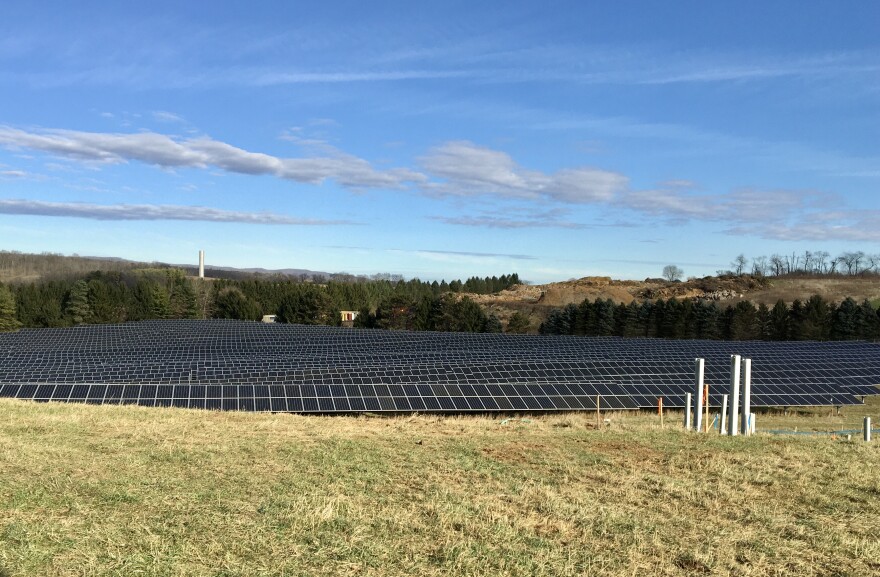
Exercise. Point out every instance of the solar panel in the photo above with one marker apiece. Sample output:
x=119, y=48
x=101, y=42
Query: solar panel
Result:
x=235, y=365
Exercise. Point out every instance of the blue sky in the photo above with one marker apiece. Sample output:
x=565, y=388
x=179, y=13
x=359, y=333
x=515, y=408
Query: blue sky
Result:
x=442, y=139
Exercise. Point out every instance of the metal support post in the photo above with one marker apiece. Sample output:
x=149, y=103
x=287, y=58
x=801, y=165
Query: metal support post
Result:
x=746, y=396
x=732, y=417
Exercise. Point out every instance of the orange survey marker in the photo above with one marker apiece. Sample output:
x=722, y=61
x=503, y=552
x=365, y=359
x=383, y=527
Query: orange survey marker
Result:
x=706, y=405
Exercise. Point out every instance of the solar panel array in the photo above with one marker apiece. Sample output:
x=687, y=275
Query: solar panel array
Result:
x=234, y=365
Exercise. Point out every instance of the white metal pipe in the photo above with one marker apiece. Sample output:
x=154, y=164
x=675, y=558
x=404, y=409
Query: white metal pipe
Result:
x=201, y=264
x=732, y=420
x=699, y=371
x=746, y=396
x=722, y=426
x=752, y=428
x=867, y=429
x=687, y=412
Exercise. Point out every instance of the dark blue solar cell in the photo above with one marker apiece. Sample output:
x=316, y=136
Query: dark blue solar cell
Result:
x=9, y=389
x=44, y=392
x=431, y=403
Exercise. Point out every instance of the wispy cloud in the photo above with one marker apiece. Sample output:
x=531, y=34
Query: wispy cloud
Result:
x=466, y=169
x=278, y=77
x=847, y=225
x=487, y=221
x=460, y=170
x=480, y=254
x=169, y=152
x=741, y=205
x=165, y=116
x=152, y=212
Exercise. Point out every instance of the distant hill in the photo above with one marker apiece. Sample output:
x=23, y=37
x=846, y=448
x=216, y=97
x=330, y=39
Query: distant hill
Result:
x=24, y=267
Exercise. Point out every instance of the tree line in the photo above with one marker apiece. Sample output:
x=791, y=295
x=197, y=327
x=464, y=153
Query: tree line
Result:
x=813, y=319
x=849, y=263
x=167, y=293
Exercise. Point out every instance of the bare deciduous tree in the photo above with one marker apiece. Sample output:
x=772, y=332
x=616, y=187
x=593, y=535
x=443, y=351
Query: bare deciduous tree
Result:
x=739, y=264
x=672, y=273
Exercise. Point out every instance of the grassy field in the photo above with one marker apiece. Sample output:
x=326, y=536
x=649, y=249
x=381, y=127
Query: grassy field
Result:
x=95, y=491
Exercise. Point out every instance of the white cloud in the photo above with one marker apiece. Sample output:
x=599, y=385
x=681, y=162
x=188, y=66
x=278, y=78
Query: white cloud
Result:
x=490, y=255
x=470, y=170
x=167, y=152
x=741, y=205
x=847, y=225
x=165, y=116
x=151, y=212
x=488, y=221
x=13, y=174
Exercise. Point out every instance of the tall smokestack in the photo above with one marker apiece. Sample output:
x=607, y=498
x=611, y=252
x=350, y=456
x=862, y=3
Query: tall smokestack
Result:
x=201, y=264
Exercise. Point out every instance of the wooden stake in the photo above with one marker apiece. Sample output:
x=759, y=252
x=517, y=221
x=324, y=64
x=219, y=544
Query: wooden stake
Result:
x=706, y=404
x=660, y=410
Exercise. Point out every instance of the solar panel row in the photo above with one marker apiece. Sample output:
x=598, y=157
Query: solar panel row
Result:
x=254, y=366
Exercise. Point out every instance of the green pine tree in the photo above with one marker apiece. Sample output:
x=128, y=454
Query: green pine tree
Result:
x=8, y=320
x=77, y=308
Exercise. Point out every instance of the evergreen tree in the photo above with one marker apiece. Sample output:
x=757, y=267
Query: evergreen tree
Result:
x=706, y=318
x=817, y=319
x=493, y=324
x=845, y=321
x=231, y=303
x=602, y=322
x=764, y=326
x=744, y=322
x=779, y=329
x=365, y=319
x=8, y=320
x=644, y=317
x=307, y=306
x=183, y=300
x=77, y=308
x=868, y=322
x=518, y=323
x=796, y=321
x=160, y=304
x=633, y=328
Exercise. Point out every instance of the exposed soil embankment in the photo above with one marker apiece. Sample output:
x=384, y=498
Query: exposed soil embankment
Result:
x=536, y=301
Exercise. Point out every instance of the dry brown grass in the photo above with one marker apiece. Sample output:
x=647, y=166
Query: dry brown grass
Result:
x=831, y=289
x=131, y=491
